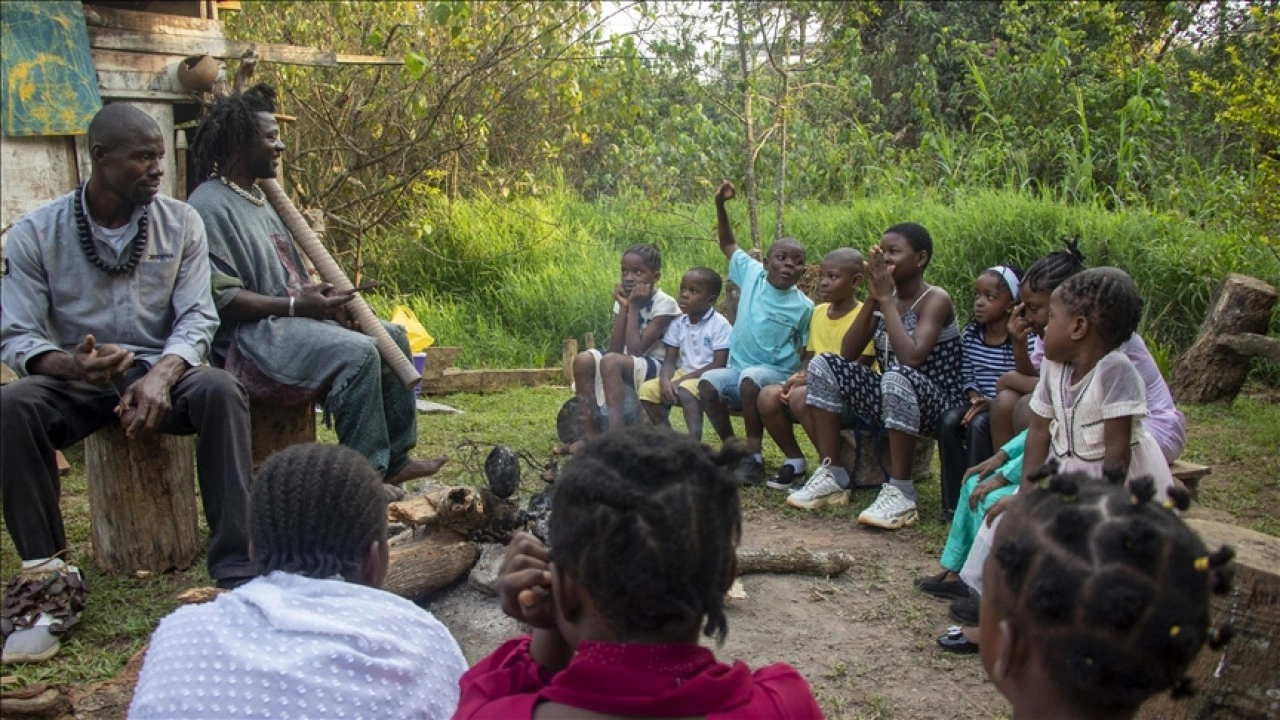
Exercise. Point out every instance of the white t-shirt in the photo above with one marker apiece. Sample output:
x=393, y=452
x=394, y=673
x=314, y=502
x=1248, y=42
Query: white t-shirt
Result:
x=660, y=305
x=698, y=343
x=115, y=237
x=289, y=646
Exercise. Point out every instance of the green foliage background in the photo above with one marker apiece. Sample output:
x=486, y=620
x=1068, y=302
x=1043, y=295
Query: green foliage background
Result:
x=493, y=179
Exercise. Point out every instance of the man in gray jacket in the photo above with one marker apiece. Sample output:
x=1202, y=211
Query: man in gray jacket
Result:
x=108, y=314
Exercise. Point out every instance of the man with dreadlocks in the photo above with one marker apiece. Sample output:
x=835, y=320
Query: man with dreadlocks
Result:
x=285, y=338
x=107, y=313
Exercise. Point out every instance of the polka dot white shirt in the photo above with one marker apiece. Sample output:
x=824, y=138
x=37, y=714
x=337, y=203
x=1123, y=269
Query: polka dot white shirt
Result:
x=288, y=646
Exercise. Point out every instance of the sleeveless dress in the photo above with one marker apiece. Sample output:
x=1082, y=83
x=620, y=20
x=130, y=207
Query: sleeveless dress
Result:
x=902, y=398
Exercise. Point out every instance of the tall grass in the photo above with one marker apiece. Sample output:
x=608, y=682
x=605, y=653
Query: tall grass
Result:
x=508, y=280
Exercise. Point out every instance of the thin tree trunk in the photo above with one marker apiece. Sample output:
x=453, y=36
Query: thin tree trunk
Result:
x=749, y=134
x=784, y=108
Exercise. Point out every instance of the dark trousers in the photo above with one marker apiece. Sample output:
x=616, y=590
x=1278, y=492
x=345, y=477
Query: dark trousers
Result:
x=42, y=414
x=960, y=448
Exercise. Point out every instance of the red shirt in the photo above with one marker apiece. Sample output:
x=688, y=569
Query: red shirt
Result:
x=633, y=679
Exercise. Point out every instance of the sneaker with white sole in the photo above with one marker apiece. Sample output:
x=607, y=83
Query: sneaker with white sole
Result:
x=784, y=479
x=891, y=510
x=820, y=489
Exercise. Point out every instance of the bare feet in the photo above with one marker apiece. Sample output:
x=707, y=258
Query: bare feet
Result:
x=418, y=468
x=570, y=449
x=394, y=493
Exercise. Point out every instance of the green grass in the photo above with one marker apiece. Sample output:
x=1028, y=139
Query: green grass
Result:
x=508, y=280
x=1238, y=441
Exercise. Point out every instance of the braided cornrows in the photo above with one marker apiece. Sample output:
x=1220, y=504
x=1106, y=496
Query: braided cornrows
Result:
x=1112, y=588
x=1050, y=271
x=648, y=253
x=230, y=124
x=1109, y=299
x=648, y=521
x=314, y=510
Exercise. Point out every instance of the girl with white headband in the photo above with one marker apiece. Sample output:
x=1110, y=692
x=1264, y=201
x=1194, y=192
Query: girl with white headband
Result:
x=964, y=432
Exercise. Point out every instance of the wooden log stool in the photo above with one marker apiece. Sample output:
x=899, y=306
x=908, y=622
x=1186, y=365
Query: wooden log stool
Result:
x=277, y=426
x=142, y=501
x=1242, y=680
x=864, y=454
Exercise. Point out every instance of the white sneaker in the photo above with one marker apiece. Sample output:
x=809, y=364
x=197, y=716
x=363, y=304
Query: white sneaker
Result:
x=891, y=510
x=820, y=489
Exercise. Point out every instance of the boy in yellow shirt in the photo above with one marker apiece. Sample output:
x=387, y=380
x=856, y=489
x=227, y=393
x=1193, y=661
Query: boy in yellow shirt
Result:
x=782, y=405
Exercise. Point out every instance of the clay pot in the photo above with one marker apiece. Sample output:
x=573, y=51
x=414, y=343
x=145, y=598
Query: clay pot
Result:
x=198, y=72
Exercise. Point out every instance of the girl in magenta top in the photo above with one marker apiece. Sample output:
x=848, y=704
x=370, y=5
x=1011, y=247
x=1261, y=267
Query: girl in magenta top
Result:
x=643, y=539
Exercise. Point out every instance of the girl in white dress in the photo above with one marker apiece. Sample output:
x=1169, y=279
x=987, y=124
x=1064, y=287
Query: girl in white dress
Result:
x=1090, y=400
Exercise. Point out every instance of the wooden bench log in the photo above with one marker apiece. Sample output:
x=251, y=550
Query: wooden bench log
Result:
x=866, y=458
x=142, y=501
x=1189, y=473
x=1243, y=679
x=276, y=427
x=1211, y=370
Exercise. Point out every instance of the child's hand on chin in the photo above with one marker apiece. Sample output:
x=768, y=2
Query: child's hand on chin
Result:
x=524, y=583
x=621, y=295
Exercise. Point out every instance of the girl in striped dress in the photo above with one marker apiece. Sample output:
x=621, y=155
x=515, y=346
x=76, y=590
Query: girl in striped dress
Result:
x=964, y=431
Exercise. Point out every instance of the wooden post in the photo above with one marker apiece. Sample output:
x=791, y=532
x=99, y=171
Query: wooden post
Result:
x=142, y=501
x=589, y=340
x=1213, y=371
x=1241, y=680
x=568, y=351
x=276, y=427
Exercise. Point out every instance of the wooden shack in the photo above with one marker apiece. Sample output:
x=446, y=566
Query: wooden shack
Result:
x=136, y=48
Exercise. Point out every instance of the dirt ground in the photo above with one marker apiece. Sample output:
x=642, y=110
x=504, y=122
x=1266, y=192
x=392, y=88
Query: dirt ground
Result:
x=865, y=640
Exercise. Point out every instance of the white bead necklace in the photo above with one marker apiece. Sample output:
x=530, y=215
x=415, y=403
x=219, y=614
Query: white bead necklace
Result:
x=256, y=196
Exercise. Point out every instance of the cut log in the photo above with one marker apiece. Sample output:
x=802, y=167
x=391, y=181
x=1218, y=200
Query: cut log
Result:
x=142, y=501
x=1243, y=679
x=1212, y=371
x=865, y=456
x=463, y=510
x=425, y=565
x=1189, y=473
x=276, y=427
x=34, y=701
x=439, y=360
x=1253, y=345
x=794, y=561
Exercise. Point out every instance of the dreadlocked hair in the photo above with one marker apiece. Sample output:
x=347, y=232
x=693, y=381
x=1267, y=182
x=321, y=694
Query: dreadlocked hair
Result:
x=647, y=521
x=314, y=510
x=229, y=125
x=648, y=253
x=1114, y=589
x=1047, y=273
x=1109, y=299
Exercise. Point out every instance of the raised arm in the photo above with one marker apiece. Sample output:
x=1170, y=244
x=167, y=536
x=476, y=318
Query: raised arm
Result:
x=724, y=231
x=859, y=332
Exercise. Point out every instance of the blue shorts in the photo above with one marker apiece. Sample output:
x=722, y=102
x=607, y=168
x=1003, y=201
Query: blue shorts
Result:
x=727, y=381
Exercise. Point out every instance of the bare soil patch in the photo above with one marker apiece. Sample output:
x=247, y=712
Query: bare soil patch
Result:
x=865, y=640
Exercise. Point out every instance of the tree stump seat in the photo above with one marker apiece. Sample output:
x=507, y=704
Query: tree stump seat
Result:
x=277, y=426
x=864, y=454
x=142, y=501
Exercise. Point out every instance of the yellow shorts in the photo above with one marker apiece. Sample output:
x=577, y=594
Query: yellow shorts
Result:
x=651, y=390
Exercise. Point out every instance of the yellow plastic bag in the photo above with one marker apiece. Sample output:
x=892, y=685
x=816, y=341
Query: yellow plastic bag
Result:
x=419, y=338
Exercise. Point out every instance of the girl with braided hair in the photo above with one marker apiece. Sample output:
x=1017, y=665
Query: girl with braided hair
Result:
x=1097, y=598
x=313, y=635
x=643, y=539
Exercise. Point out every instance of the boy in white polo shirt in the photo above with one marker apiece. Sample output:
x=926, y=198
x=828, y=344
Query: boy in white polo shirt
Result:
x=695, y=342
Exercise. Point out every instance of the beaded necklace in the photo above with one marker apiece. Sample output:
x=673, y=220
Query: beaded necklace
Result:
x=125, y=265
x=256, y=197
